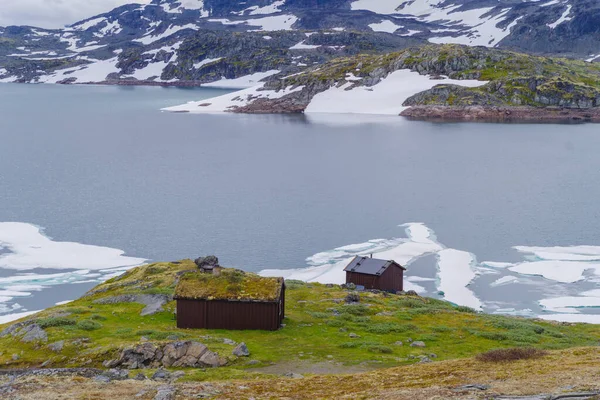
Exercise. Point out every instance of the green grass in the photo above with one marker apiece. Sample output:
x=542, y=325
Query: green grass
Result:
x=317, y=328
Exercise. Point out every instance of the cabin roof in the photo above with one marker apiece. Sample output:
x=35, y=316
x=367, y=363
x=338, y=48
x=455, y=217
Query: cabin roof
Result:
x=230, y=284
x=370, y=266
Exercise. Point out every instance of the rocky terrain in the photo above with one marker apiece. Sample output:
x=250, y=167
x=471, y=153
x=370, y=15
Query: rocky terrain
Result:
x=120, y=340
x=191, y=42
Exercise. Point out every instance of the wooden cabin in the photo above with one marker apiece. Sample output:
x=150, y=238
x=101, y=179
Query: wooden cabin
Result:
x=222, y=298
x=372, y=273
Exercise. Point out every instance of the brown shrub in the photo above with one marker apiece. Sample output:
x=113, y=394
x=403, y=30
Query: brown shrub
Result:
x=517, y=353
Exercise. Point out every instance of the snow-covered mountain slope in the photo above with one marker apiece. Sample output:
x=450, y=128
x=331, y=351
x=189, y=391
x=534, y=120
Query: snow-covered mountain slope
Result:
x=196, y=41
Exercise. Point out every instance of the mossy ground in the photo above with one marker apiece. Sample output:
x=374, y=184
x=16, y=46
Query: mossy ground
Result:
x=317, y=328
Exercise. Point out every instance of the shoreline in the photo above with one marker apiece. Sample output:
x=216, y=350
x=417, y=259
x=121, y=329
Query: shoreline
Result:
x=556, y=115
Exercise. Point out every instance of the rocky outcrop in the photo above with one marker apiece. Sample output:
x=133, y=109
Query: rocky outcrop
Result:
x=502, y=114
x=175, y=354
x=27, y=331
x=154, y=302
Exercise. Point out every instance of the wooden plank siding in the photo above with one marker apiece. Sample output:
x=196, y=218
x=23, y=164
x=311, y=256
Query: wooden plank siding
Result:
x=390, y=281
x=236, y=315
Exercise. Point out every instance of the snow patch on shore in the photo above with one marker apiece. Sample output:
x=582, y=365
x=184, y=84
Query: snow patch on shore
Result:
x=387, y=97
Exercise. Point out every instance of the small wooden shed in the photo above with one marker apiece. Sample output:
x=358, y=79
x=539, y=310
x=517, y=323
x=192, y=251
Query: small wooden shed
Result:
x=372, y=273
x=229, y=299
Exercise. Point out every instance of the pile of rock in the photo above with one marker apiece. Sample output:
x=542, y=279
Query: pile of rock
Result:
x=27, y=331
x=175, y=354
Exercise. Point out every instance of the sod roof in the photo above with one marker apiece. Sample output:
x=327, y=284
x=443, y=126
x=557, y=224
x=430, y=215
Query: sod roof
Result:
x=230, y=284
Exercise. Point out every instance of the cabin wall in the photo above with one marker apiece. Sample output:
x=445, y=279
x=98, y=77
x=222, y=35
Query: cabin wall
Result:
x=368, y=281
x=203, y=314
x=392, y=280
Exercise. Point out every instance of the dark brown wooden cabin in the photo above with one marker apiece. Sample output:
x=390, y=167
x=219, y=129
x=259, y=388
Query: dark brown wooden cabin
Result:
x=376, y=274
x=230, y=299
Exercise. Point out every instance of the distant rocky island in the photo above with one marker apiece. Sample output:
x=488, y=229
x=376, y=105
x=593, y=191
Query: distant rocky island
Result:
x=431, y=82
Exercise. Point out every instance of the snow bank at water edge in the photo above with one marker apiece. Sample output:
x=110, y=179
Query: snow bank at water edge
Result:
x=385, y=98
x=24, y=247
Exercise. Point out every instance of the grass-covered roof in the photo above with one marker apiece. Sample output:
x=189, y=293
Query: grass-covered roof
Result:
x=230, y=284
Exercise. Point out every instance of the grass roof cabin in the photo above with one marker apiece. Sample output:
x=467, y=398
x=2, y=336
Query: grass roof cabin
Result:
x=229, y=299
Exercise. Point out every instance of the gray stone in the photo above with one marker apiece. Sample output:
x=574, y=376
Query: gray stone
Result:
x=241, y=350
x=177, y=374
x=417, y=344
x=57, y=346
x=15, y=357
x=165, y=393
x=154, y=302
x=102, y=378
x=425, y=360
x=294, y=375
x=352, y=298
x=353, y=335
x=208, y=261
x=117, y=374
x=229, y=341
x=161, y=374
x=195, y=350
x=212, y=359
x=33, y=333
x=398, y=343
x=474, y=386
x=253, y=362
x=140, y=377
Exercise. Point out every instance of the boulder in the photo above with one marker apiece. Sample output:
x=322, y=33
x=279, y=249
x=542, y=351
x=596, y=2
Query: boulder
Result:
x=165, y=393
x=176, y=354
x=417, y=344
x=241, y=350
x=33, y=333
x=352, y=298
x=353, y=335
x=161, y=374
x=208, y=261
x=57, y=346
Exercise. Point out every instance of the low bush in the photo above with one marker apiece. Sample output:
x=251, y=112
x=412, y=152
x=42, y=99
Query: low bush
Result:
x=318, y=314
x=54, y=322
x=89, y=325
x=356, y=309
x=513, y=354
x=389, y=327
x=465, y=309
x=380, y=349
x=98, y=317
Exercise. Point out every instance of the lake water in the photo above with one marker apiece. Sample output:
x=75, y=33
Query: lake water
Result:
x=101, y=168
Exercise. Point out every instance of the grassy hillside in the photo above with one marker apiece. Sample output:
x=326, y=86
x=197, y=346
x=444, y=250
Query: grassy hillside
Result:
x=320, y=329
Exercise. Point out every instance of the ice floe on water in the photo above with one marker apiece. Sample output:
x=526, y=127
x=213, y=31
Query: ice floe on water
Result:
x=542, y=285
x=555, y=283
x=42, y=263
